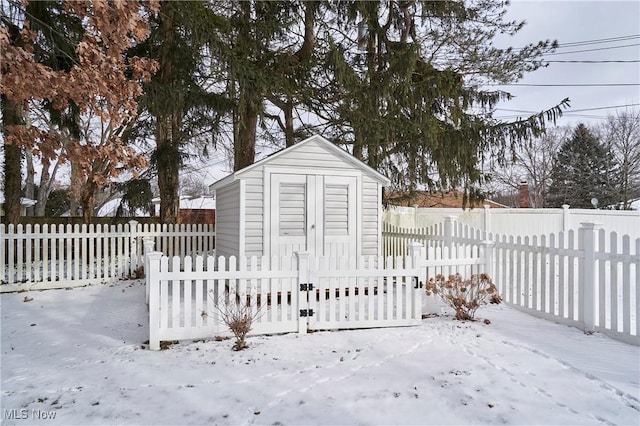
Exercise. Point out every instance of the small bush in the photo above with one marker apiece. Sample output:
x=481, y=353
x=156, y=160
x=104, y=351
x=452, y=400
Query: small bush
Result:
x=464, y=296
x=238, y=315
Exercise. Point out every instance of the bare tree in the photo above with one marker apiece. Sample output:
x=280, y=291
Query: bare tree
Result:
x=532, y=163
x=622, y=135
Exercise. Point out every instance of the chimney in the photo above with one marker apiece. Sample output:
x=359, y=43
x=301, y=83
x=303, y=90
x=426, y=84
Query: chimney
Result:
x=523, y=195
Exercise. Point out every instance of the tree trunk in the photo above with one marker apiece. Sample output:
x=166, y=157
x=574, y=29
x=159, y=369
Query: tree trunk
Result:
x=12, y=115
x=168, y=160
x=75, y=189
x=244, y=147
x=168, y=122
x=87, y=200
x=288, y=122
x=30, y=187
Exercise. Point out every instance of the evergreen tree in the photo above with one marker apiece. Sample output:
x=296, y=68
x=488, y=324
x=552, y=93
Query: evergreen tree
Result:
x=176, y=99
x=405, y=91
x=583, y=169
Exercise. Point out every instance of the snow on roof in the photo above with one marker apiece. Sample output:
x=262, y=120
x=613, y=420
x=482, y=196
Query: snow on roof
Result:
x=205, y=202
x=25, y=202
x=199, y=203
x=110, y=208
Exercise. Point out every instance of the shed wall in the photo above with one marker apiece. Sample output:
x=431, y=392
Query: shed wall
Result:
x=309, y=157
x=228, y=220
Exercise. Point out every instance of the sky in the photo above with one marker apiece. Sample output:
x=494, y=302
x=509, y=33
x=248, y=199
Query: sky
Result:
x=78, y=357
x=588, y=23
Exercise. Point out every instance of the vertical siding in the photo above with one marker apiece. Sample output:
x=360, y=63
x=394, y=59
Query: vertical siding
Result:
x=370, y=216
x=228, y=220
x=253, y=213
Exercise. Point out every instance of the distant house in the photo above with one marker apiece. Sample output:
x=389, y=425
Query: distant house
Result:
x=193, y=209
x=634, y=204
x=110, y=209
x=448, y=199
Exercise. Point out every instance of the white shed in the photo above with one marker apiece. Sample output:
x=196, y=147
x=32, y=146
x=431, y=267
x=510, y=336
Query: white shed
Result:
x=312, y=196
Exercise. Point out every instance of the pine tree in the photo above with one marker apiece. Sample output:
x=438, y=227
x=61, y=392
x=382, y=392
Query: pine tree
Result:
x=583, y=170
x=176, y=99
x=407, y=95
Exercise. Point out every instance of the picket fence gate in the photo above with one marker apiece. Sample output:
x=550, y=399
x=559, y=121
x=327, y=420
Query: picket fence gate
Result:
x=35, y=257
x=297, y=293
x=589, y=279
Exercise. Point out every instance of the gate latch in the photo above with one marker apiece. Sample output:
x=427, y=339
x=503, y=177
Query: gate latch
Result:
x=306, y=286
x=306, y=312
x=417, y=283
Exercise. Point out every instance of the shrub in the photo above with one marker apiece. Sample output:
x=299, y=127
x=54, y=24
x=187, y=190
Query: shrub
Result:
x=464, y=296
x=238, y=314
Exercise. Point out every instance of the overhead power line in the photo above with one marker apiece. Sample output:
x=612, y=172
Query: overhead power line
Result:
x=592, y=50
x=592, y=42
x=632, y=61
x=567, y=85
x=571, y=110
x=599, y=41
x=607, y=107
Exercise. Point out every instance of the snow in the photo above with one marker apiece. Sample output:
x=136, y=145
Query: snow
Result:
x=206, y=203
x=110, y=208
x=79, y=355
x=24, y=202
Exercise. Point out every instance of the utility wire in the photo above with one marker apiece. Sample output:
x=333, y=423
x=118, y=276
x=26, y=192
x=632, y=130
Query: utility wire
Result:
x=590, y=42
x=570, y=111
x=566, y=85
x=592, y=50
x=632, y=61
x=599, y=40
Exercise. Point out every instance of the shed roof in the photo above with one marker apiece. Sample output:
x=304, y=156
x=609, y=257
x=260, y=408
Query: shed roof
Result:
x=374, y=174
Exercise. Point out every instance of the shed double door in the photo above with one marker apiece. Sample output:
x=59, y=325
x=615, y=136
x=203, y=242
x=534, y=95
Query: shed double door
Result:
x=313, y=213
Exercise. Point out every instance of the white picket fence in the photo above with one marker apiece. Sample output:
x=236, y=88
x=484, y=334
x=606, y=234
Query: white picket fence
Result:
x=589, y=279
x=511, y=221
x=289, y=294
x=35, y=257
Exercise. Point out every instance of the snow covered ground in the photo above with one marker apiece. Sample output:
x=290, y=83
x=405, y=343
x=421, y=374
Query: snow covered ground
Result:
x=78, y=357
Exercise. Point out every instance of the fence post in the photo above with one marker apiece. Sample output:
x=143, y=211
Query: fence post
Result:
x=303, y=278
x=449, y=231
x=153, y=280
x=149, y=244
x=134, y=259
x=588, y=294
x=487, y=220
x=487, y=253
x=565, y=217
x=418, y=254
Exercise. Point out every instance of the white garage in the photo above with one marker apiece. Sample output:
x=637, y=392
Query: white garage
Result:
x=312, y=196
